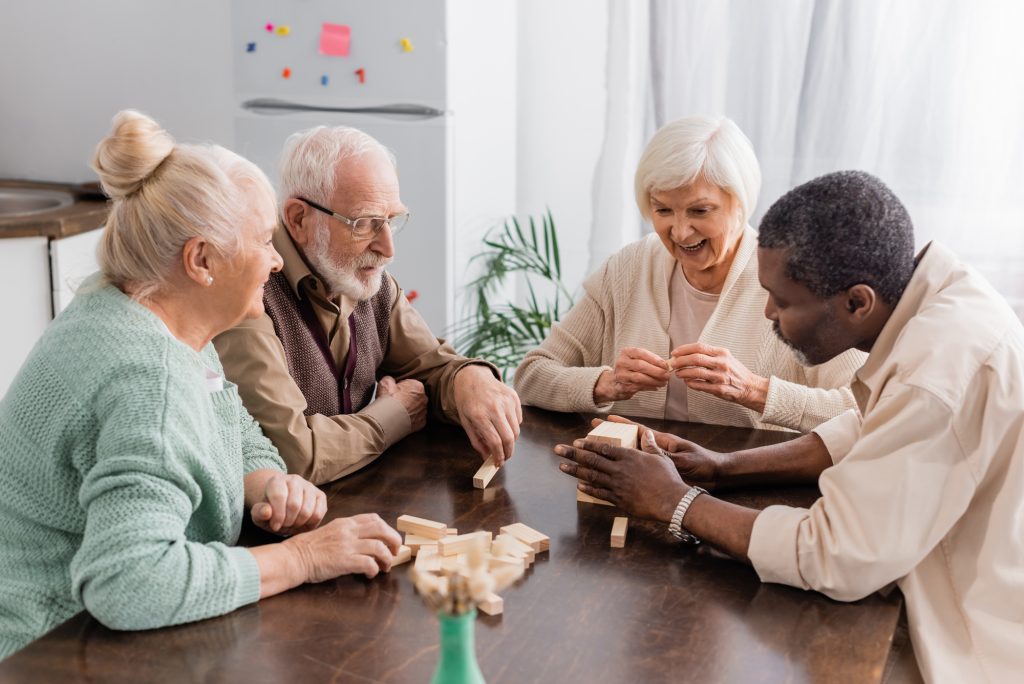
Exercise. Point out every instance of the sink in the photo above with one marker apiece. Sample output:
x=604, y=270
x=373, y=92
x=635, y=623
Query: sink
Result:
x=28, y=201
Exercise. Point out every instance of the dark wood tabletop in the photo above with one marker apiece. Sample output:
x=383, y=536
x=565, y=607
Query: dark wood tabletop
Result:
x=654, y=611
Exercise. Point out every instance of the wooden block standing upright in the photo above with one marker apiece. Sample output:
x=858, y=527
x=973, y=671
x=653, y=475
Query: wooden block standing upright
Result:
x=484, y=475
x=529, y=536
x=421, y=526
x=619, y=532
x=618, y=434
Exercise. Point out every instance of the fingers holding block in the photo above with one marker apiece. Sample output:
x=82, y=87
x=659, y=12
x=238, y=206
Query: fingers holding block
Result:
x=618, y=434
x=619, y=533
x=483, y=476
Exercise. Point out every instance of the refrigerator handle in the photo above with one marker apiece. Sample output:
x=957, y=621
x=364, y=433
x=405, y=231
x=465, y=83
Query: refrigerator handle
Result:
x=267, y=105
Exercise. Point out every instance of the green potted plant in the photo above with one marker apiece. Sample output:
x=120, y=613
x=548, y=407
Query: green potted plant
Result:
x=502, y=331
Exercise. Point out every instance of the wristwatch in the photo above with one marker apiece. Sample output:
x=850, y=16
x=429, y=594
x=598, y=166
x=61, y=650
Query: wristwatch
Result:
x=675, y=527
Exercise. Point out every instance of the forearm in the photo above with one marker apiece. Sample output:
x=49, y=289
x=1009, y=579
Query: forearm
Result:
x=798, y=461
x=725, y=526
x=280, y=567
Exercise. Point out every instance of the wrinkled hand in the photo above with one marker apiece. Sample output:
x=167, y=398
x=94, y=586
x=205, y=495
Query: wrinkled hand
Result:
x=411, y=395
x=362, y=544
x=645, y=483
x=696, y=465
x=716, y=371
x=489, y=411
x=290, y=505
x=636, y=370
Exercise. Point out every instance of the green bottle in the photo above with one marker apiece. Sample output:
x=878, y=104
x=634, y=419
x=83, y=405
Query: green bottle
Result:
x=458, y=651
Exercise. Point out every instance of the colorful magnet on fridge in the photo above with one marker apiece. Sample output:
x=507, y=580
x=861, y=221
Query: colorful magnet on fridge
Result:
x=284, y=30
x=335, y=39
x=323, y=80
x=286, y=73
x=406, y=45
x=251, y=47
x=361, y=73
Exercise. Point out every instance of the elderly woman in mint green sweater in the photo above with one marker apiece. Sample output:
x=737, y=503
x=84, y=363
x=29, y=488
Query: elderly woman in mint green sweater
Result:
x=126, y=459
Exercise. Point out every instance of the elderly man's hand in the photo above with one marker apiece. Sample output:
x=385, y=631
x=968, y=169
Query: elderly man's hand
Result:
x=289, y=505
x=489, y=411
x=362, y=544
x=645, y=483
x=716, y=371
x=410, y=394
x=636, y=370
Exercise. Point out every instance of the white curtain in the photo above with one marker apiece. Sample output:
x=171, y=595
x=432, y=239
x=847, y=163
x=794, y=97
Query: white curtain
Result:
x=926, y=94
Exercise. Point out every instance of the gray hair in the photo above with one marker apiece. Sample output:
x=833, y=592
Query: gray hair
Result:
x=712, y=148
x=164, y=194
x=310, y=159
x=843, y=229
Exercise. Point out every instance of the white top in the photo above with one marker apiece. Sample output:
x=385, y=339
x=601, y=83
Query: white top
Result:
x=625, y=303
x=928, y=489
x=691, y=309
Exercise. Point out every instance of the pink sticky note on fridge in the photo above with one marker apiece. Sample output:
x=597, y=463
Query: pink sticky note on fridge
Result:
x=334, y=40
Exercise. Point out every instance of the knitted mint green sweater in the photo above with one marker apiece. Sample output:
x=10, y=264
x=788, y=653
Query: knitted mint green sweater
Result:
x=121, y=478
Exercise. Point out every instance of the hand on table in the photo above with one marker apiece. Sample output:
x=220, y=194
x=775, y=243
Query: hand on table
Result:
x=362, y=544
x=489, y=411
x=411, y=395
x=716, y=371
x=636, y=370
x=644, y=483
x=290, y=505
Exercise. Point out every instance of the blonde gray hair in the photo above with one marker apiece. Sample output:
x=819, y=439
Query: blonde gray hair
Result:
x=712, y=148
x=310, y=160
x=164, y=194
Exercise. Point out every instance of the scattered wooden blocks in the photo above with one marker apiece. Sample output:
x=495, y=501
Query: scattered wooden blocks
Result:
x=619, y=532
x=484, y=475
x=428, y=560
x=449, y=546
x=421, y=527
x=529, y=536
x=403, y=555
x=455, y=564
x=492, y=605
x=509, y=545
x=416, y=542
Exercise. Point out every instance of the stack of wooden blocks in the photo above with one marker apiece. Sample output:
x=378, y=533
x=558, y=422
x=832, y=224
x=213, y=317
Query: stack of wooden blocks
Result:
x=438, y=548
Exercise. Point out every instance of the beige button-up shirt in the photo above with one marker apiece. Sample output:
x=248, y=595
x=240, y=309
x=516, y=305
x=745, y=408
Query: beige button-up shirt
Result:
x=324, y=448
x=927, y=489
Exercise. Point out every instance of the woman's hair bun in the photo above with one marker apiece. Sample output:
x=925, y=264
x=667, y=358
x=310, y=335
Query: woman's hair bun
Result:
x=131, y=153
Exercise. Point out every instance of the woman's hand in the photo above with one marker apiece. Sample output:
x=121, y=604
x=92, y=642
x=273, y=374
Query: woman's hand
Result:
x=362, y=544
x=696, y=465
x=289, y=505
x=636, y=370
x=716, y=371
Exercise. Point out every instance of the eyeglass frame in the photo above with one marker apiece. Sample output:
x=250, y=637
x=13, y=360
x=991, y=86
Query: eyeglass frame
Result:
x=352, y=222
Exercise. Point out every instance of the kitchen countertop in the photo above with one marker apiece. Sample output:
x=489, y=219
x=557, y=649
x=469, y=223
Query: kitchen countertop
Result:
x=88, y=212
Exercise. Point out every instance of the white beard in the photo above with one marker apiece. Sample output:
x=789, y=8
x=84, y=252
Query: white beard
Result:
x=341, y=278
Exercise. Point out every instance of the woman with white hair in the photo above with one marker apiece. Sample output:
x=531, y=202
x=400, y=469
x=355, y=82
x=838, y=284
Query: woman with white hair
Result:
x=673, y=326
x=127, y=460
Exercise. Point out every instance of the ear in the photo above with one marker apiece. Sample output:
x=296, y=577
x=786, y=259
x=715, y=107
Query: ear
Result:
x=861, y=300
x=195, y=258
x=297, y=219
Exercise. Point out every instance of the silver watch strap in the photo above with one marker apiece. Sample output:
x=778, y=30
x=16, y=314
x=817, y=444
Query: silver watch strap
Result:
x=675, y=526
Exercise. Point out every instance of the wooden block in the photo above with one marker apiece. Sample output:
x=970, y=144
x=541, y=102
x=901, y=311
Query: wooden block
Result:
x=451, y=532
x=457, y=563
x=506, y=561
x=492, y=605
x=619, y=532
x=529, y=536
x=403, y=555
x=484, y=475
x=518, y=548
x=449, y=546
x=428, y=560
x=586, y=498
x=421, y=526
x=416, y=542
x=619, y=434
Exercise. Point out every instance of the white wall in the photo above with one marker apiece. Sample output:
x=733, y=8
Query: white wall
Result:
x=561, y=106
x=67, y=67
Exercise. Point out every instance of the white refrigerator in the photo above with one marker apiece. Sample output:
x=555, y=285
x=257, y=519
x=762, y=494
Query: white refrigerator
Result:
x=380, y=67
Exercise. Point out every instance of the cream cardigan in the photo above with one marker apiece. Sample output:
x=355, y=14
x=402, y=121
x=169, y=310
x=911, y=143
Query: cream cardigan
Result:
x=626, y=304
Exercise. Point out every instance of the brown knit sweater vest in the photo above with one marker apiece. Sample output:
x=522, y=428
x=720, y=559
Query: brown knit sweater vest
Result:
x=310, y=362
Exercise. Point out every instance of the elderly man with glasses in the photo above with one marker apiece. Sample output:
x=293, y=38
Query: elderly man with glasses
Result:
x=341, y=366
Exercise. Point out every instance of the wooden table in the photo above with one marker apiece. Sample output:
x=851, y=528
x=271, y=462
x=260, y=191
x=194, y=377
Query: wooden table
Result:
x=654, y=611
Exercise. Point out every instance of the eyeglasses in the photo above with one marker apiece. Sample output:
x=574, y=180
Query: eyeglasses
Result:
x=365, y=227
